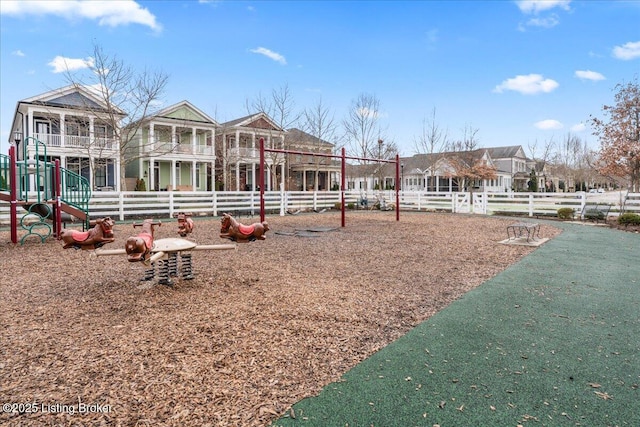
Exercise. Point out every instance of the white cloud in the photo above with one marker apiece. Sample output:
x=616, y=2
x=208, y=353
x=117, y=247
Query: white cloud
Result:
x=589, y=75
x=548, y=22
x=536, y=6
x=270, y=54
x=527, y=85
x=579, y=127
x=548, y=124
x=627, y=51
x=18, y=53
x=109, y=13
x=61, y=64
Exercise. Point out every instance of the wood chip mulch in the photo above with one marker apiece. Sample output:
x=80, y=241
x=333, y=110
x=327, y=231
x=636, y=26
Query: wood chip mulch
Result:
x=257, y=330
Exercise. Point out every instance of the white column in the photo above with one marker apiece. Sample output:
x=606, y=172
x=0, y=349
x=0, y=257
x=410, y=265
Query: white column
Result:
x=151, y=143
x=193, y=143
x=152, y=174
x=173, y=175
x=62, y=129
x=237, y=175
x=253, y=177
x=91, y=133
x=224, y=162
x=213, y=176
x=193, y=175
x=116, y=171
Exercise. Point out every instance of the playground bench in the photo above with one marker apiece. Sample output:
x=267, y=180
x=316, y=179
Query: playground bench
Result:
x=521, y=229
x=595, y=211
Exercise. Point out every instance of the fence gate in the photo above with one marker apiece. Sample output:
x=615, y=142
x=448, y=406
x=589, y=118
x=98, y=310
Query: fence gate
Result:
x=461, y=203
x=480, y=203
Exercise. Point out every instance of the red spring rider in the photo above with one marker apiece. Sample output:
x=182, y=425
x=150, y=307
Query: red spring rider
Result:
x=139, y=247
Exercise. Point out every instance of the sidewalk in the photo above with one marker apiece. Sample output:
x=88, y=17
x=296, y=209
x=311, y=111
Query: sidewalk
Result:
x=554, y=340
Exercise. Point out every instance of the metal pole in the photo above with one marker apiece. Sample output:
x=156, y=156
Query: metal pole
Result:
x=342, y=189
x=58, y=211
x=262, y=180
x=397, y=187
x=13, y=176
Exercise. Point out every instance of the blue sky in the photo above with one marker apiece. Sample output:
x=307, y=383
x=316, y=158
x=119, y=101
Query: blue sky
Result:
x=517, y=71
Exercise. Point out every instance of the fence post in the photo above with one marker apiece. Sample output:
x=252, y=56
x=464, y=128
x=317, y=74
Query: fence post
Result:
x=283, y=201
x=121, y=205
x=214, y=203
x=170, y=204
x=530, y=204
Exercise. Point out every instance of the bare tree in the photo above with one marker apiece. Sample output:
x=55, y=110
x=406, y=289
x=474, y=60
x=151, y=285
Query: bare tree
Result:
x=280, y=107
x=567, y=159
x=319, y=121
x=128, y=97
x=431, y=141
x=362, y=125
x=362, y=129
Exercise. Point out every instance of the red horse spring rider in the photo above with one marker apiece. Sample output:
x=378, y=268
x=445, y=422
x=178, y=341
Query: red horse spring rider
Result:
x=237, y=232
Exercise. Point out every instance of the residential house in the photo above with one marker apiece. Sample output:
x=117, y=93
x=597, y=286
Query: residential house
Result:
x=72, y=125
x=308, y=172
x=238, y=153
x=440, y=172
x=513, y=161
x=173, y=150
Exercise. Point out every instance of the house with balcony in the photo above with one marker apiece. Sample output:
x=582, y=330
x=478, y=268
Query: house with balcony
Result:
x=437, y=172
x=238, y=154
x=173, y=150
x=74, y=127
x=307, y=172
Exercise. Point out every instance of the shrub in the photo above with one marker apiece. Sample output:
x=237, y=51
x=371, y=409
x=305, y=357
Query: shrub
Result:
x=140, y=185
x=566, y=213
x=629, y=218
x=594, y=214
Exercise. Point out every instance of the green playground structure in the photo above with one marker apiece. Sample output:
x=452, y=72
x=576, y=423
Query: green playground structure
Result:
x=48, y=193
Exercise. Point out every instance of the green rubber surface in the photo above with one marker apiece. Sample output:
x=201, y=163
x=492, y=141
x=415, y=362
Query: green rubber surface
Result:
x=554, y=340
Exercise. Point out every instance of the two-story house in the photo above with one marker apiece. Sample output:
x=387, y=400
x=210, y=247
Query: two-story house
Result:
x=238, y=153
x=173, y=150
x=308, y=172
x=74, y=127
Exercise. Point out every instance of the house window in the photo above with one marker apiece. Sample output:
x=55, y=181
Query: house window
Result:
x=178, y=172
x=197, y=175
x=105, y=173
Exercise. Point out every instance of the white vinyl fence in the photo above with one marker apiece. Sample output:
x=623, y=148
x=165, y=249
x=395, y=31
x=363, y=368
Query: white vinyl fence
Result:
x=137, y=204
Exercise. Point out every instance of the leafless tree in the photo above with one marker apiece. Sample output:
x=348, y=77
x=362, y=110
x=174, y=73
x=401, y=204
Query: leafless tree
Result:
x=362, y=128
x=570, y=161
x=362, y=125
x=432, y=141
x=129, y=97
x=280, y=107
x=319, y=121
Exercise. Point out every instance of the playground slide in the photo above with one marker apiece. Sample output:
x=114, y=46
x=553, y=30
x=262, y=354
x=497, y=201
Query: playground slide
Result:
x=43, y=209
x=67, y=214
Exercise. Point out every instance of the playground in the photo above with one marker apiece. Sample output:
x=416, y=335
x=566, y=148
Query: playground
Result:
x=255, y=331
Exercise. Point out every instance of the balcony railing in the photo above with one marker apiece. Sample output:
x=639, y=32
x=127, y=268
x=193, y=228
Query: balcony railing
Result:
x=160, y=148
x=74, y=141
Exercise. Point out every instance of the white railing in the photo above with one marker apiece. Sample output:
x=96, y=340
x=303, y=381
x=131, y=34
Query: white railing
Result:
x=74, y=141
x=167, y=148
x=137, y=204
